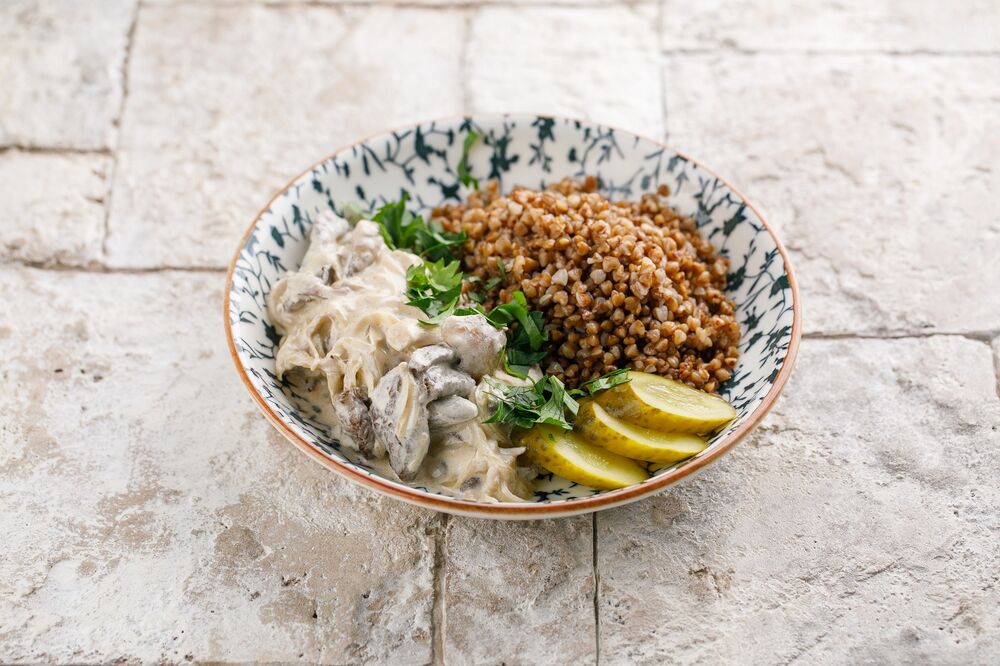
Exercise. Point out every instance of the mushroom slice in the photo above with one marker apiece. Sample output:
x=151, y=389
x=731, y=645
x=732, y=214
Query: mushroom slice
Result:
x=425, y=357
x=440, y=381
x=449, y=412
x=476, y=342
x=327, y=274
x=399, y=418
x=355, y=424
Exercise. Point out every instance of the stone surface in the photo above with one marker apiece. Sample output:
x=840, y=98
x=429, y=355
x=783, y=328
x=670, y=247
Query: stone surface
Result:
x=879, y=171
x=573, y=74
x=54, y=207
x=519, y=592
x=443, y=4
x=858, y=526
x=850, y=25
x=61, y=67
x=204, y=148
x=149, y=513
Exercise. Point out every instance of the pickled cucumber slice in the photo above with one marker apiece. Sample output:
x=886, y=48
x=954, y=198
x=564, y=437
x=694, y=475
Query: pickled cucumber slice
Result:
x=631, y=441
x=666, y=405
x=568, y=455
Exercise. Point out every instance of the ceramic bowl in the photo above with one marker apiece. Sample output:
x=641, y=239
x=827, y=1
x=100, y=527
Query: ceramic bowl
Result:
x=516, y=150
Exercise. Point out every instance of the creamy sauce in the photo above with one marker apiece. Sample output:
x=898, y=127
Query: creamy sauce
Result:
x=345, y=326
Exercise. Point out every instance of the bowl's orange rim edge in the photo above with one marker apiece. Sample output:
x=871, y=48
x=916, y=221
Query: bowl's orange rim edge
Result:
x=540, y=510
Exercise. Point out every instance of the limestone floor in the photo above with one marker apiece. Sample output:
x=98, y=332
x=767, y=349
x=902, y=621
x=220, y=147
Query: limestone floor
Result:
x=148, y=514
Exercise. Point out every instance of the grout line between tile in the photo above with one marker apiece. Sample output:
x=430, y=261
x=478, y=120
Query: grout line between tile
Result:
x=979, y=336
x=662, y=71
x=413, y=4
x=597, y=592
x=438, y=610
x=102, y=269
x=463, y=61
x=53, y=150
x=730, y=49
x=113, y=172
x=995, y=347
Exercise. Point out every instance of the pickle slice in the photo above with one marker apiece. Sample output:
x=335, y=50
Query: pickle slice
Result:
x=666, y=405
x=632, y=441
x=571, y=457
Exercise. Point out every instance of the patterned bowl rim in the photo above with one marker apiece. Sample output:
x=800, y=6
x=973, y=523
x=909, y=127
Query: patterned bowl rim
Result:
x=528, y=510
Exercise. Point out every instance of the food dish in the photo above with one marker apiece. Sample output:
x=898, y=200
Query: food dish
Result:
x=373, y=377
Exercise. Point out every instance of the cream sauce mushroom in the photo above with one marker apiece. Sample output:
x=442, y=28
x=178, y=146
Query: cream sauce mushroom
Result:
x=402, y=395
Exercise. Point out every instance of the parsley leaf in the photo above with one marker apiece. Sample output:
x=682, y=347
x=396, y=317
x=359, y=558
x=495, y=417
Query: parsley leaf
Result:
x=544, y=402
x=517, y=310
x=402, y=230
x=602, y=383
x=464, y=174
x=435, y=288
x=524, y=343
x=479, y=296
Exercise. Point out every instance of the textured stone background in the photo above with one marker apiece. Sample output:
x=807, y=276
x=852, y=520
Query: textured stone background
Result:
x=149, y=514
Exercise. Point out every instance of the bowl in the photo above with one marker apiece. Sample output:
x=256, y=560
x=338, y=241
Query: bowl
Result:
x=422, y=160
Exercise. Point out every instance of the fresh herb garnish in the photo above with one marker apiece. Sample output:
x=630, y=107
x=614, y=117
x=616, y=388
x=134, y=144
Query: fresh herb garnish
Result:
x=435, y=288
x=520, y=355
x=544, y=402
x=402, y=230
x=502, y=268
x=524, y=343
x=602, y=383
x=479, y=295
x=464, y=174
x=517, y=310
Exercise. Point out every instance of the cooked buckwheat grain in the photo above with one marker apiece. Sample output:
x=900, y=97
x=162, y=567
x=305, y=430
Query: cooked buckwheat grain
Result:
x=620, y=283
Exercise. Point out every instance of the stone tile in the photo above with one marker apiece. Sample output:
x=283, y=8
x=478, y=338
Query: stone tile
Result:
x=519, y=593
x=444, y=4
x=55, y=206
x=227, y=103
x=603, y=66
x=858, y=525
x=851, y=25
x=61, y=66
x=150, y=514
x=880, y=171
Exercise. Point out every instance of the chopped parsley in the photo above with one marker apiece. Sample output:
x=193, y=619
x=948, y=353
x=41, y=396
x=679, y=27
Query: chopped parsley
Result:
x=602, y=383
x=435, y=288
x=402, y=230
x=464, y=173
x=524, y=343
x=479, y=296
x=546, y=402
x=517, y=310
